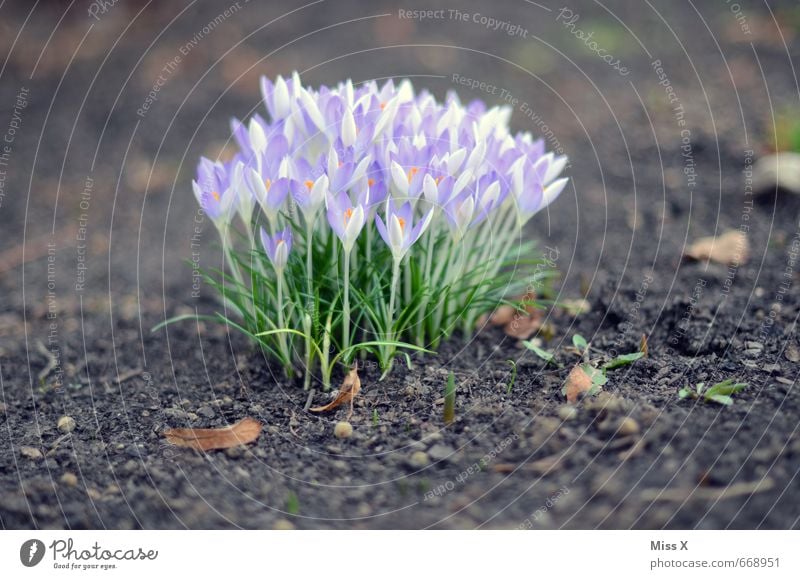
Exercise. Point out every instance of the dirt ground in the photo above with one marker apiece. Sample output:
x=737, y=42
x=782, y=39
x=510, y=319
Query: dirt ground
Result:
x=107, y=114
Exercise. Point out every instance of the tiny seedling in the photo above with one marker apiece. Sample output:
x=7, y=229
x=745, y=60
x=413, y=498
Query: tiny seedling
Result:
x=580, y=343
x=543, y=354
x=623, y=360
x=513, y=376
x=450, y=399
x=374, y=417
x=598, y=378
x=292, y=504
x=721, y=392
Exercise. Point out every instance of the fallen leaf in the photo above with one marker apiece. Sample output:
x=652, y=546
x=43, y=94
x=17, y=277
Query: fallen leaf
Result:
x=243, y=432
x=518, y=323
x=523, y=326
x=731, y=248
x=503, y=315
x=351, y=385
x=577, y=382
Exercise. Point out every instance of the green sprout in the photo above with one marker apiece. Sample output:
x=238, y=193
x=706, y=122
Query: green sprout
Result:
x=292, y=504
x=450, y=399
x=598, y=378
x=374, y=417
x=623, y=360
x=543, y=354
x=513, y=376
x=580, y=343
x=721, y=392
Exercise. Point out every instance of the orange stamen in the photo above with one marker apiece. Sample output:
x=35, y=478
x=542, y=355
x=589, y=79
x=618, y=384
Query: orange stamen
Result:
x=370, y=182
x=309, y=184
x=348, y=213
x=383, y=106
x=411, y=172
x=402, y=223
x=215, y=195
x=268, y=184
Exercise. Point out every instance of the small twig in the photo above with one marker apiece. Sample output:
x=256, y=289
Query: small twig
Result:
x=309, y=400
x=708, y=494
x=52, y=361
x=125, y=376
x=58, y=441
x=291, y=428
x=543, y=466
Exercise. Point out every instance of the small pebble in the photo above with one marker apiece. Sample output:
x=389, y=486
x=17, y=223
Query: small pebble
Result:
x=31, y=452
x=418, y=459
x=440, y=452
x=206, y=412
x=283, y=525
x=567, y=412
x=628, y=426
x=66, y=424
x=69, y=479
x=343, y=430
x=235, y=451
x=622, y=427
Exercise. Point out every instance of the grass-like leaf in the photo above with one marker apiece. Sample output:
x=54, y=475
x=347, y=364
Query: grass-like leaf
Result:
x=622, y=360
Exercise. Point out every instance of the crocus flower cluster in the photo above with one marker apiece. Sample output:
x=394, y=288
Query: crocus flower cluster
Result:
x=378, y=218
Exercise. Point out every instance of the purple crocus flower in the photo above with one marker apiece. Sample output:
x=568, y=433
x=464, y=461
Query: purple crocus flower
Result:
x=534, y=185
x=398, y=232
x=277, y=247
x=214, y=193
x=346, y=219
x=460, y=210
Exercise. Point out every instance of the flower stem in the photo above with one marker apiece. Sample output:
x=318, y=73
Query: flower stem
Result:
x=309, y=261
x=237, y=275
x=423, y=310
x=346, y=302
x=389, y=351
x=282, y=323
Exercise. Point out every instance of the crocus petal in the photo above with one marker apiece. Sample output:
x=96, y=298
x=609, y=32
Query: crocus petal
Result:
x=280, y=96
x=399, y=178
x=555, y=168
x=395, y=232
x=431, y=190
x=348, y=128
x=258, y=140
x=382, y=230
x=552, y=191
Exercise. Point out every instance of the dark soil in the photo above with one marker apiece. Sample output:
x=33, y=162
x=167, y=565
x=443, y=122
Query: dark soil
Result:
x=634, y=456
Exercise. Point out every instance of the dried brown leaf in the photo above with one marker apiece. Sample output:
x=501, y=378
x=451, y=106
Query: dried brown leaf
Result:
x=523, y=327
x=731, y=248
x=243, y=432
x=351, y=385
x=577, y=382
x=643, y=345
x=506, y=314
x=503, y=315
